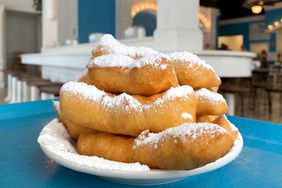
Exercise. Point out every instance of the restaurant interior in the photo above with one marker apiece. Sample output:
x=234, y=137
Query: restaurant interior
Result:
x=242, y=40
x=45, y=44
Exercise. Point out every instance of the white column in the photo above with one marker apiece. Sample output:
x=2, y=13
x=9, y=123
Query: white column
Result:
x=49, y=23
x=59, y=22
x=123, y=18
x=209, y=25
x=178, y=26
x=2, y=45
x=230, y=100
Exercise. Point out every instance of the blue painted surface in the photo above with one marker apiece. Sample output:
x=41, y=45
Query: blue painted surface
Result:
x=243, y=29
x=237, y=29
x=23, y=164
x=273, y=15
x=217, y=31
x=146, y=19
x=95, y=16
x=272, y=45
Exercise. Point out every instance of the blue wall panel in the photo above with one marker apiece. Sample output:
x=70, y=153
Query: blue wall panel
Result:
x=273, y=15
x=272, y=45
x=244, y=29
x=95, y=16
x=236, y=29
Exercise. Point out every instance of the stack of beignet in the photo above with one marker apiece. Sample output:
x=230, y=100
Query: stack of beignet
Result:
x=134, y=104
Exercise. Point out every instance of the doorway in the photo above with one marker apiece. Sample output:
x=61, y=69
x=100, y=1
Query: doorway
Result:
x=23, y=34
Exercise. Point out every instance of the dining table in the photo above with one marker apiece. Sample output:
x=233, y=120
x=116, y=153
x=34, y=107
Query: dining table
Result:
x=23, y=164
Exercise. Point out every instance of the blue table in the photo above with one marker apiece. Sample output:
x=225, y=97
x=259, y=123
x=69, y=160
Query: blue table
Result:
x=22, y=163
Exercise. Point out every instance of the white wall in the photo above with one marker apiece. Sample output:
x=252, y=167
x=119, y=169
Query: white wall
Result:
x=233, y=42
x=2, y=45
x=23, y=6
x=18, y=5
x=123, y=17
x=68, y=25
x=209, y=33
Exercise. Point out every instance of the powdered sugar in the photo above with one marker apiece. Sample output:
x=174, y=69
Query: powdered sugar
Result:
x=56, y=105
x=186, y=115
x=124, y=101
x=189, y=58
x=163, y=67
x=205, y=94
x=113, y=60
x=109, y=43
x=191, y=131
x=121, y=60
x=55, y=139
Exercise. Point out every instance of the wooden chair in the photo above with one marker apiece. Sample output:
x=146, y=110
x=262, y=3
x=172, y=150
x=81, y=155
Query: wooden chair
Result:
x=49, y=92
x=259, y=82
x=274, y=87
x=240, y=91
x=36, y=85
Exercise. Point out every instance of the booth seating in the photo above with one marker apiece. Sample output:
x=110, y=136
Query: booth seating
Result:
x=267, y=82
x=36, y=85
x=239, y=92
x=240, y=88
x=24, y=87
x=270, y=91
x=49, y=92
x=14, y=86
x=259, y=82
x=274, y=87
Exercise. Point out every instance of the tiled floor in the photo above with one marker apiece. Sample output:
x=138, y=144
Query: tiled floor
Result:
x=261, y=114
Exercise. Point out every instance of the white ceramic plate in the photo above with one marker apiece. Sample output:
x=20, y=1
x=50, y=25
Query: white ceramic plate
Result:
x=54, y=135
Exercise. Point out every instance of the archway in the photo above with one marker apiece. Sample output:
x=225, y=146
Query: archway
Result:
x=146, y=19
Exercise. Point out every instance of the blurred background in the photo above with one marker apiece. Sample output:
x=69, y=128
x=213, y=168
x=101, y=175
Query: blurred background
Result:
x=44, y=43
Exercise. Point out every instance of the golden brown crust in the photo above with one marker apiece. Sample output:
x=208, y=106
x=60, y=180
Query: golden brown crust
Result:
x=108, y=146
x=214, y=89
x=75, y=130
x=138, y=94
x=210, y=103
x=195, y=76
x=146, y=80
x=184, y=154
x=221, y=121
x=192, y=71
x=155, y=113
x=206, y=119
x=224, y=122
x=170, y=152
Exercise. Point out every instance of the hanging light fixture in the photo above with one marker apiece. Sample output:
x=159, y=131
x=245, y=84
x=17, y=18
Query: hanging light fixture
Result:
x=256, y=9
x=255, y=5
x=270, y=27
